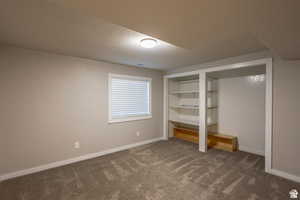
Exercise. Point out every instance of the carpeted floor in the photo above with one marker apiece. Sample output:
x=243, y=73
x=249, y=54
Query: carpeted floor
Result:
x=169, y=170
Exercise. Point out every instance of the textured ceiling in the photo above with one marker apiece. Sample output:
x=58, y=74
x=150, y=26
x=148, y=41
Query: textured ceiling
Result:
x=189, y=32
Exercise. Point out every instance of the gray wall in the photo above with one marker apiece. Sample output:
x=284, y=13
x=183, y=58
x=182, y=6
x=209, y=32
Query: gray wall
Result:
x=241, y=112
x=286, y=108
x=50, y=101
x=286, y=117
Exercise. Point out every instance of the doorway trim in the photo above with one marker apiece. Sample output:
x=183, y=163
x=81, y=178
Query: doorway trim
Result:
x=266, y=62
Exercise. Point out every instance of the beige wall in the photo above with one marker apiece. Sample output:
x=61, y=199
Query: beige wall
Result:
x=48, y=102
x=286, y=118
x=286, y=108
x=241, y=112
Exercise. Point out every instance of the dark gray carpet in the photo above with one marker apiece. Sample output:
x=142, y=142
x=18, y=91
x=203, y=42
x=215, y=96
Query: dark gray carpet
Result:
x=163, y=170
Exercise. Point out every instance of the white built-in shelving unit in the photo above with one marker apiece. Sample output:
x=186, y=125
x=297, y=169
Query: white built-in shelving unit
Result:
x=184, y=100
x=212, y=104
x=183, y=105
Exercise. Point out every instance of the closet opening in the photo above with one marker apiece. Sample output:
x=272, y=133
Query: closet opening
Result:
x=235, y=114
x=227, y=107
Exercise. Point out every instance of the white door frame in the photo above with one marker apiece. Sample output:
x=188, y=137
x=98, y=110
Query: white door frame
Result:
x=267, y=62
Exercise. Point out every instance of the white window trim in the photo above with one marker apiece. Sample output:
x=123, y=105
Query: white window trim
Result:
x=132, y=118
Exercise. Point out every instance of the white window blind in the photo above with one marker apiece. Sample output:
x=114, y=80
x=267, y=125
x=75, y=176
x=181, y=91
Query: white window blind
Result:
x=130, y=98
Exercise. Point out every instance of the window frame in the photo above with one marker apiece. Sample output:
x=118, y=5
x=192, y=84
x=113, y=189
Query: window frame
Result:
x=128, y=118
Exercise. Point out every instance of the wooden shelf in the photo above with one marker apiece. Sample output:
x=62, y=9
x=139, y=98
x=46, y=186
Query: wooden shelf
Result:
x=186, y=134
x=221, y=141
x=214, y=140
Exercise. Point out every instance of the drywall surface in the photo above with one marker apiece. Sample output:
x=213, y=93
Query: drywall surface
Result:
x=286, y=116
x=48, y=102
x=286, y=108
x=241, y=112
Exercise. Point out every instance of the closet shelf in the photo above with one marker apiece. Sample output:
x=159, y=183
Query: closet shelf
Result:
x=190, y=122
x=189, y=81
x=184, y=91
x=212, y=107
x=193, y=107
x=196, y=107
x=190, y=91
x=183, y=121
x=212, y=91
x=212, y=124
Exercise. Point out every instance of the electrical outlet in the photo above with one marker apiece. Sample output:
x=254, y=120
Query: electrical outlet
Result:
x=138, y=133
x=76, y=145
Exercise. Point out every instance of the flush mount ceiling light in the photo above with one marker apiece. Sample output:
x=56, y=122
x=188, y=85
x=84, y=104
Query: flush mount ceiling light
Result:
x=148, y=43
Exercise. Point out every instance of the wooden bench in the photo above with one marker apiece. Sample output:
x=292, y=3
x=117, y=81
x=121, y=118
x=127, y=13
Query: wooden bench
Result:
x=189, y=135
x=214, y=140
x=223, y=142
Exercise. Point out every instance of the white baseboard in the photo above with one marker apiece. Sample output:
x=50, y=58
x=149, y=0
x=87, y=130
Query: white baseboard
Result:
x=74, y=160
x=251, y=150
x=285, y=175
x=125, y=147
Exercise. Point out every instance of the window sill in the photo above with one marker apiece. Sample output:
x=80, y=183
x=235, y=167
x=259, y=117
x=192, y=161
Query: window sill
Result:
x=129, y=119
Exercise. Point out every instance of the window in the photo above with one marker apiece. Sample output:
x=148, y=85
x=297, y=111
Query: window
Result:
x=129, y=98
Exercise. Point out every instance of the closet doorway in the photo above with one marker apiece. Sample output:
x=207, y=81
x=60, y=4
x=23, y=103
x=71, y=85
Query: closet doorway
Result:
x=242, y=107
x=192, y=106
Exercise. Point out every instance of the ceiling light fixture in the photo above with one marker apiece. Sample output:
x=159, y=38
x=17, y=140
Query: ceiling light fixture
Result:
x=148, y=43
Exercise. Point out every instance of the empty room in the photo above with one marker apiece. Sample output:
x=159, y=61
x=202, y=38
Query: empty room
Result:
x=154, y=100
